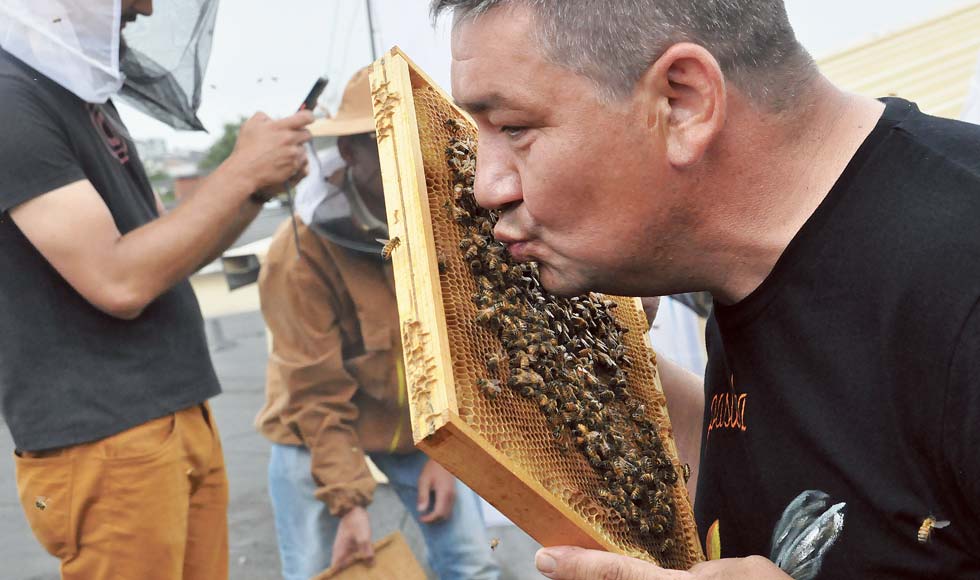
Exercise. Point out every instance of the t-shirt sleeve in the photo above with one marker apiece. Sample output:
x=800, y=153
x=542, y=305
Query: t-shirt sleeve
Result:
x=962, y=424
x=35, y=153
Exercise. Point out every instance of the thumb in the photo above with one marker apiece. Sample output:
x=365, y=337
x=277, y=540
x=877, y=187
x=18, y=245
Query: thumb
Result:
x=567, y=563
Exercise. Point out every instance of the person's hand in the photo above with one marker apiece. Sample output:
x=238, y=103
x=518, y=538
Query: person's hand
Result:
x=436, y=481
x=270, y=152
x=650, y=307
x=353, y=541
x=566, y=563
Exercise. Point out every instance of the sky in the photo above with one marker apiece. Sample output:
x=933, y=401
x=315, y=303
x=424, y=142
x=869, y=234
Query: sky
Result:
x=267, y=55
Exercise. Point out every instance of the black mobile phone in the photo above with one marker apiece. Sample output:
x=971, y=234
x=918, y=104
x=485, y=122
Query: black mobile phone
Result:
x=314, y=95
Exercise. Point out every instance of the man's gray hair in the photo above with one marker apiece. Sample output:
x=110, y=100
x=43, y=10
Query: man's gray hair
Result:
x=613, y=42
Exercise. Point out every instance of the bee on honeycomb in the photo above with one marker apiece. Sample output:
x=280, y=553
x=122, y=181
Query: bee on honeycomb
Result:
x=568, y=356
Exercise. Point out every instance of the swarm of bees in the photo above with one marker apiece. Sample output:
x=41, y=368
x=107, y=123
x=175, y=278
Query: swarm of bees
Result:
x=567, y=355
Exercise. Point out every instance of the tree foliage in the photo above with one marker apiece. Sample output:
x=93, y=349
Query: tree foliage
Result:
x=222, y=148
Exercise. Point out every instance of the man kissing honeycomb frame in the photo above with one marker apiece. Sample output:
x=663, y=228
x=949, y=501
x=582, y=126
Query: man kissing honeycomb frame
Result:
x=550, y=408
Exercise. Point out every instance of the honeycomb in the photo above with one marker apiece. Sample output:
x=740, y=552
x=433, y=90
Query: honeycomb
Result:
x=514, y=424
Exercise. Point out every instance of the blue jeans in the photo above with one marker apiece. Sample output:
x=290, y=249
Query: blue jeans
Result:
x=458, y=547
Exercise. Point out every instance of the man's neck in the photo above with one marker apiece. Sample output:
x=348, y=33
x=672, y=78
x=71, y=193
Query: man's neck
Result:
x=785, y=166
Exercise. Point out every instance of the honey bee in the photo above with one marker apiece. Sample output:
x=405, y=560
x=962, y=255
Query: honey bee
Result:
x=479, y=241
x=546, y=403
x=592, y=456
x=557, y=431
x=638, y=413
x=484, y=283
x=460, y=214
x=528, y=391
x=605, y=361
x=389, y=247
x=493, y=363
x=928, y=525
x=486, y=315
x=588, y=378
x=489, y=387
x=523, y=361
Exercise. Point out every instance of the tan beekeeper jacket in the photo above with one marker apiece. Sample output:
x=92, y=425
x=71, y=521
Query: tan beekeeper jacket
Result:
x=335, y=380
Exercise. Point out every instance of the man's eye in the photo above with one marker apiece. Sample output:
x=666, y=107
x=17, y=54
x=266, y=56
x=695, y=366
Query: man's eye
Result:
x=512, y=131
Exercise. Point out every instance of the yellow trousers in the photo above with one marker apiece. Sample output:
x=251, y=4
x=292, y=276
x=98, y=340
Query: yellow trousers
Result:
x=149, y=503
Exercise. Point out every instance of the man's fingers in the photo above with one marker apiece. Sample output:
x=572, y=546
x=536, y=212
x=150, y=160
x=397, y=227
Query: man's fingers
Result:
x=567, y=563
x=260, y=117
x=302, y=136
x=296, y=121
x=443, y=507
x=425, y=487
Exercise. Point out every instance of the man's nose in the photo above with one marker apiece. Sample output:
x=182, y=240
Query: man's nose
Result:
x=144, y=7
x=497, y=183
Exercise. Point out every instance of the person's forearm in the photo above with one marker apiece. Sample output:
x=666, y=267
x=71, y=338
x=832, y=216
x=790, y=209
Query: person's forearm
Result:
x=234, y=231
x=153, y=258
x=685, y=405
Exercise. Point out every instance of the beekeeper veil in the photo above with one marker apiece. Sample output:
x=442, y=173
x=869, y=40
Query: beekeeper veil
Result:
x=157, y=64
x=328, y=199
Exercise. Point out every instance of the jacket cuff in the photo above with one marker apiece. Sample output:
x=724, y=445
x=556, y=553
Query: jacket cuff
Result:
x=341, y=499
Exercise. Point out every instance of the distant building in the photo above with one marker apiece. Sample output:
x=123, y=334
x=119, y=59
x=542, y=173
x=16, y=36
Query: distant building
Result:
x=187, y=185
x=152, y=148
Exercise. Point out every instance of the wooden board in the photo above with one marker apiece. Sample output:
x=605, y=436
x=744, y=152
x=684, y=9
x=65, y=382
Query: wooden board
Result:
x=499, y=457
x=392, y=559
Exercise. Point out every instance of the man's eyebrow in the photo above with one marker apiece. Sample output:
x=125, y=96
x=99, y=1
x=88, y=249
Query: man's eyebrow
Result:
x=482, y=105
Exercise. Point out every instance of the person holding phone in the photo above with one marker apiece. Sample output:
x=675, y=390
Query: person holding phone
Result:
x=104, y=366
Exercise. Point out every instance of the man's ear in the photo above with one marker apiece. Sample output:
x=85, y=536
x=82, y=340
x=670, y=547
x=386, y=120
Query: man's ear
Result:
x=686, y=99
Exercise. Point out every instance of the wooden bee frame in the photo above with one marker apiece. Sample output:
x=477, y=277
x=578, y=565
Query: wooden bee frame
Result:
x=502, y=458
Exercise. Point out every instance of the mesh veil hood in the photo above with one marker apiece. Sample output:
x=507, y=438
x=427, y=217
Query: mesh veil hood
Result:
x=157, y=64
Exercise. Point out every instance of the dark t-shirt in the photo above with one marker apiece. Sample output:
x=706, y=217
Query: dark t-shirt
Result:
x=68, y=372
x=843, y=395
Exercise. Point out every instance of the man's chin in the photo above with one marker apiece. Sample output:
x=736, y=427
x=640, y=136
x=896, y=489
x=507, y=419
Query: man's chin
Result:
x=559, y=283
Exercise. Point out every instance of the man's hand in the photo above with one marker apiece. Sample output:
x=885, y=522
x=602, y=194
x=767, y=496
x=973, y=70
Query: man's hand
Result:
x=435, y=480
x=270, y=152
x=565, y=563
x=353, y=541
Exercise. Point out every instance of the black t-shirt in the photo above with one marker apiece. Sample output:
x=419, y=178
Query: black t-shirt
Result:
x=68, y=372
x=843, y=395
